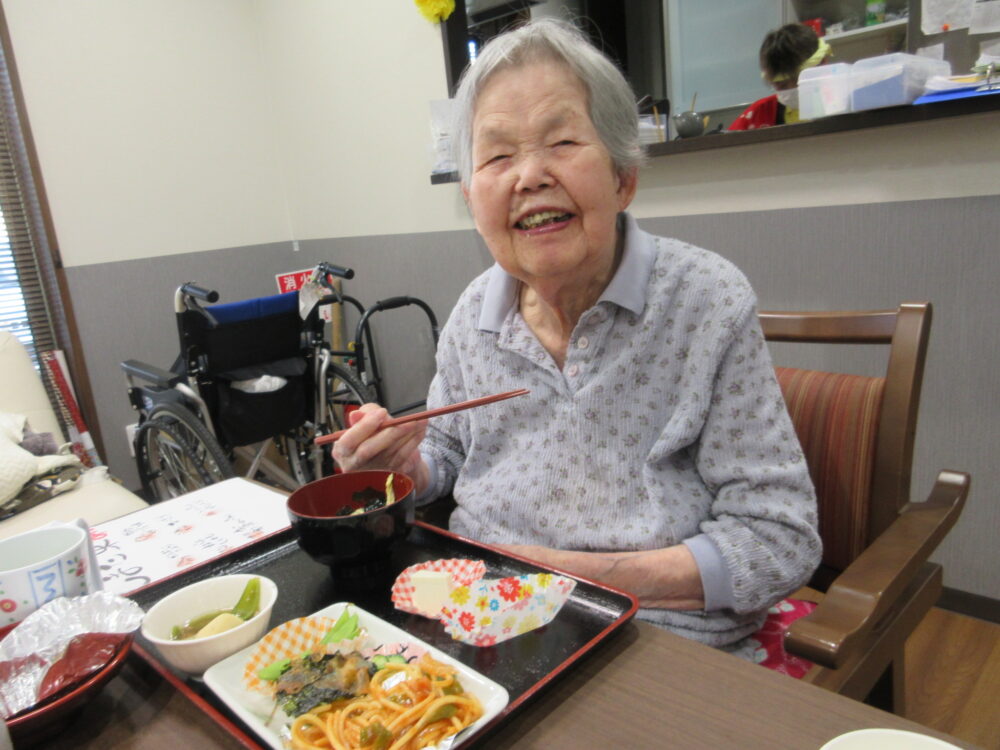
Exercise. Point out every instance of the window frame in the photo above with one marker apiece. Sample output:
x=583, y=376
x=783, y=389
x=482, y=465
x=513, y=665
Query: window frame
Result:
x=34, y=247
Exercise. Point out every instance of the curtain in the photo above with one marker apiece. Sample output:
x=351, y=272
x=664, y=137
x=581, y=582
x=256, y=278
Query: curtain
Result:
x=31, y=302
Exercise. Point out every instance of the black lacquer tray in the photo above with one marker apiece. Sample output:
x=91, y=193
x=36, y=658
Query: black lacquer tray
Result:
x=523, y=665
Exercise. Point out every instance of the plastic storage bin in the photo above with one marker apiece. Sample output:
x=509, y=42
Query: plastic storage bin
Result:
x=824, y=90
x=890, y=80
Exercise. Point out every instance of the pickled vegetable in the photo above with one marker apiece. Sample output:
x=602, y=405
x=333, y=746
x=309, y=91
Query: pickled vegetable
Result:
x=247, y=606
x=222, y=623
x=192, y=626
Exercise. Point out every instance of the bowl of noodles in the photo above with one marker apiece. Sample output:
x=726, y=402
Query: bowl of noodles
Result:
x=368, y=685
x=351, y=521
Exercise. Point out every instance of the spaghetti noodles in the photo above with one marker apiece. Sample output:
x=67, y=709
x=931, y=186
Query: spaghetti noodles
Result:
x=407, y=706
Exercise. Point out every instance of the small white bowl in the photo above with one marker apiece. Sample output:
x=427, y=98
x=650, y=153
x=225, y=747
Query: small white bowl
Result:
x=886, y=739
x=198, y=654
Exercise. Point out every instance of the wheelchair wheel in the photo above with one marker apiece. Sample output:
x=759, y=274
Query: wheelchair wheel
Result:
x=343, y=394
x=297, y=449
x=176, y=453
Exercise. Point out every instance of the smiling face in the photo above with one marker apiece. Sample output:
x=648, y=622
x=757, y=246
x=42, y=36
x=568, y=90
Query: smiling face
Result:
x=544, y=193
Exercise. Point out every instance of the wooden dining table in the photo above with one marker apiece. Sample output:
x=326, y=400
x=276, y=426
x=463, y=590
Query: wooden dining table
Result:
x=642, y=688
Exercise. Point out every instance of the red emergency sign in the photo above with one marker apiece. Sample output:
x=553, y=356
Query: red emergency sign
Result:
x=293, y=280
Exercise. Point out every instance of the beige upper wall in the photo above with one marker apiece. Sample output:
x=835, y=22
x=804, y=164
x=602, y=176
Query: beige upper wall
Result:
x=352, y=90
x=170, y=126
x=147, y=120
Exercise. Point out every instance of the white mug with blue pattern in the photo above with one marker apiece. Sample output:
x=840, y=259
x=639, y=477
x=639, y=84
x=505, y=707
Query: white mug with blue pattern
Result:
x=40, y=565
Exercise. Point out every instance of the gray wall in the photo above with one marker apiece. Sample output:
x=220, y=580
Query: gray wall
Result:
x=842, y=257
x=124, y=310
x=873, y=256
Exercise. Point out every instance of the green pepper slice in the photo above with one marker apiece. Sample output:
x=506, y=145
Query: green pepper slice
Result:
x=454, y=688
x=375, y=735
x=445, y=711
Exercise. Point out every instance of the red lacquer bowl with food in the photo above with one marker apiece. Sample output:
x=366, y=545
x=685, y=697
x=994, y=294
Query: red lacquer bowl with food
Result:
x=89, y=663
x=350, y=522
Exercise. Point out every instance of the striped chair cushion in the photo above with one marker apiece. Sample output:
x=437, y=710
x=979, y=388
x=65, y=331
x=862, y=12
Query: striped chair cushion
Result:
x=836, y=418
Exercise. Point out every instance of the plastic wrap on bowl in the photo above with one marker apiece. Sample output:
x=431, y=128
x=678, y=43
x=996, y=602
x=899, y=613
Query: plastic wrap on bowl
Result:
x=41, y=640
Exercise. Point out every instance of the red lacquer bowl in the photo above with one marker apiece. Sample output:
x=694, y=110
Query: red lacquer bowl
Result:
x=356, y=548
x=52, y=715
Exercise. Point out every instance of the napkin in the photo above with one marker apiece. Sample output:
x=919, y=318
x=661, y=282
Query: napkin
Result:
x=494, y=610
x=486, y=611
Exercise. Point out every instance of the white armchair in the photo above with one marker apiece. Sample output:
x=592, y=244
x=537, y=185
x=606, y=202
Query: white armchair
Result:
x=97, y=497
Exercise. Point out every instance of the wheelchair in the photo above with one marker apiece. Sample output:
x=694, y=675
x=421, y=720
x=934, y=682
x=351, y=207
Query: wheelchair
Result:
x=255, y=383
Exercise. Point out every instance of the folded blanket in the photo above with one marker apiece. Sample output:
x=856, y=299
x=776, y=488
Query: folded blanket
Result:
x=19, y=466
x=41, y=488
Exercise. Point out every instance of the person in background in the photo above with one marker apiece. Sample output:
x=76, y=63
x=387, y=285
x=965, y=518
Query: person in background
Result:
x=784, y=53
x=654, y=451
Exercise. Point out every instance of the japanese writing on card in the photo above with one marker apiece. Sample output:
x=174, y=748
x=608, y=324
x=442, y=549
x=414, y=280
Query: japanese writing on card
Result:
x=170, y=537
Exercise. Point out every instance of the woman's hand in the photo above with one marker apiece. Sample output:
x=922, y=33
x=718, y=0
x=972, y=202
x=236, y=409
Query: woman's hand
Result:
x=666, y=578
x=366, y=446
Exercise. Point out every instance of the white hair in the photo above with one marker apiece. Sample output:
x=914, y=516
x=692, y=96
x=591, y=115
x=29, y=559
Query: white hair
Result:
x=610, y=97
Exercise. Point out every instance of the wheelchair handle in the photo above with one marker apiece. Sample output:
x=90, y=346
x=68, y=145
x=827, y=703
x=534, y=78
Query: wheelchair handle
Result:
x=393, y=302
x=152, y=373
x=341, y=271
x=193, y=290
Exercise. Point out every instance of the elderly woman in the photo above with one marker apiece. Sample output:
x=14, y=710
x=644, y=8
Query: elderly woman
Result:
x=654, y=452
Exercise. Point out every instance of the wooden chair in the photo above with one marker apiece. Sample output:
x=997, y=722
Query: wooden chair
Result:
x=857, y=433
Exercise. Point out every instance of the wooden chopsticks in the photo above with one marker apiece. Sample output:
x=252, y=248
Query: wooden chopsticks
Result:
x=470, y=404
